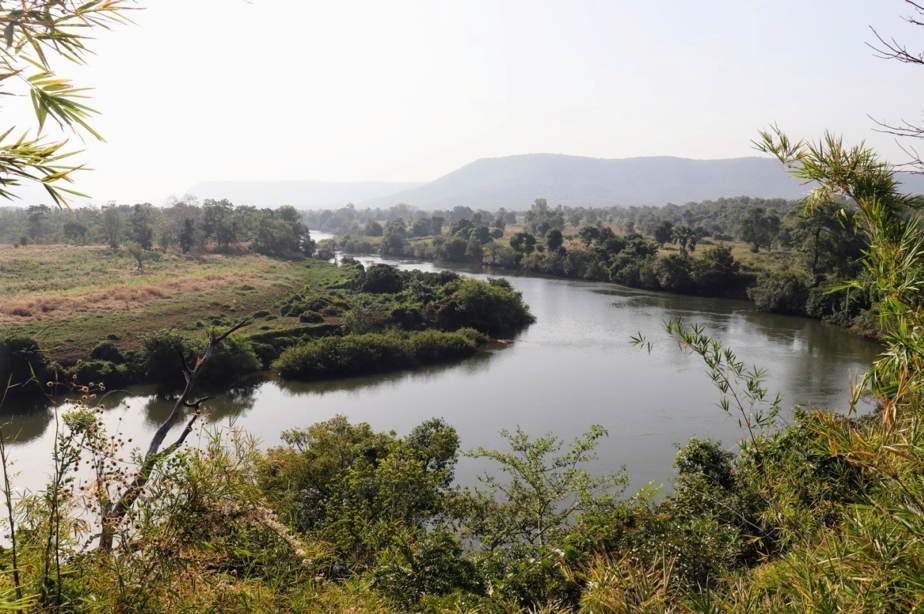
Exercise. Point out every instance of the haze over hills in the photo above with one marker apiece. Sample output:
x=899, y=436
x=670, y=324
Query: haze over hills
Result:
x=515, y=181
x=299, y=194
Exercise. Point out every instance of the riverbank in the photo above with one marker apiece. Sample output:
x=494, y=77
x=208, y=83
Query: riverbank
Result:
x=772, y=281
x=287, y=306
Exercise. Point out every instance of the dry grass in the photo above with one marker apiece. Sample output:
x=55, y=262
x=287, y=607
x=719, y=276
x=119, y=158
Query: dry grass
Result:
x=121, y=297
x=72, y=297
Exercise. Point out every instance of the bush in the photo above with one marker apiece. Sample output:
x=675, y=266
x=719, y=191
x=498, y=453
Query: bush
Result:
x=20, y=357
x=340, y=356
x=433, y=346
x=160, y=356
x=107, y=350
x=233, y=358
x=100, y=372
x=715, y=271
x=673, y=273
x=379, y=279
x=310, y=317
x=836, y=306
x=785, y=291
x=266, y=353
x=373, y=352
x=492, y=307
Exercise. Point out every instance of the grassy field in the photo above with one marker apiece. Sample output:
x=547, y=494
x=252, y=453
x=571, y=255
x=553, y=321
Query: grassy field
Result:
x=70, y=297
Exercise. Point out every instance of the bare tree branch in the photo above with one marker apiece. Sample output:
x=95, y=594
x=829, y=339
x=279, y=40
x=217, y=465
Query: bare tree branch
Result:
x=891, y=49
x=116, y=510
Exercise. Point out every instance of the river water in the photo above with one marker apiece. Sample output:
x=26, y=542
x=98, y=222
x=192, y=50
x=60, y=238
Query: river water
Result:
x=573, y=368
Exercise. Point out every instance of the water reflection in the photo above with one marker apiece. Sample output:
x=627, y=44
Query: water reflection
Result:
x=478, y=363
x=230, y=403
x=26, y=422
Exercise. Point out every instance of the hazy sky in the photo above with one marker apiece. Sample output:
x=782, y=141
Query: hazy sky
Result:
x=407, y=91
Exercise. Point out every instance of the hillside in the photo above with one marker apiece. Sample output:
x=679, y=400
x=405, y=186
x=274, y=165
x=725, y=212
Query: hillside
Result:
x=515, y=181
x=300, y=194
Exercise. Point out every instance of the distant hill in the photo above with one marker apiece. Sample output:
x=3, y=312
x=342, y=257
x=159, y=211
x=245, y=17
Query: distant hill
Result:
x=515, y=181
x=299, y=194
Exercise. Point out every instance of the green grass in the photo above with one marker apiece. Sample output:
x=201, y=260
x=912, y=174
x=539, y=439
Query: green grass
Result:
x=71, y=297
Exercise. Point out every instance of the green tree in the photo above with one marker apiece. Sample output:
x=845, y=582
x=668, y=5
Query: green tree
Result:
x=826, y=236
x=218, y=221
x=75, y=231
x=543, y=491
x=481, y=234
x=554, y=239
x=589, y=234
x=359, y=489
x=35, y=215
x=715, y=270
x=373, y=229
x=759, y=228
x=139, y=253
x=142, y=231
x=421, y=228
x=685, y=237
x=36, y=33
x=523, y=242
x=187, y=236
x=664, y=232
x=392, y=244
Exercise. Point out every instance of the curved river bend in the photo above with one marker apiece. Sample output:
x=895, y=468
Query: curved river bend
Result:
x=573, y=368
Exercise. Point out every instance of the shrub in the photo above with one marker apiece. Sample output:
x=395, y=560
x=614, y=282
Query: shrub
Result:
x=233, y=358
x=492, y=307
x=100, y=372
x=159, y=355
x=673, y=273
x=476, y=337
x=780, y=292
x=839, y=306
x=373, y=352
x=338, y=356
x=379, y=279
x=714, y=272
x=266, y=353
x=20, y=357
x=107, y=350
x=310, y=317
x=433, y=346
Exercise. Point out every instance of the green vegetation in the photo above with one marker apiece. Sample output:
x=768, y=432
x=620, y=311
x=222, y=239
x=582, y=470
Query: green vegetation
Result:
x=818, y=515
x=372, y=352
x=790, y=259
x=35, y=34
x=166, y=311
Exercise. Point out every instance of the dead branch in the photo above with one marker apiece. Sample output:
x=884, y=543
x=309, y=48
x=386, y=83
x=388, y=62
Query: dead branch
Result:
x=115, y=511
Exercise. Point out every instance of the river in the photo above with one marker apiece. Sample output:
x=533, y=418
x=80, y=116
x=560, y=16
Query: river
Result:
x=573, y=368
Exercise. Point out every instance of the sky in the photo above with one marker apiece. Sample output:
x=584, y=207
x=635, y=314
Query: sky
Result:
x=202, y=90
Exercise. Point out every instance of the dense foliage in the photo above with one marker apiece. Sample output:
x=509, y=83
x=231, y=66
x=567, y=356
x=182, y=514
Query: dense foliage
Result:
x=373, y=352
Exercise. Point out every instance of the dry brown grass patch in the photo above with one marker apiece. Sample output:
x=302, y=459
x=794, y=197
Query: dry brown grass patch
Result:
x=117, y=298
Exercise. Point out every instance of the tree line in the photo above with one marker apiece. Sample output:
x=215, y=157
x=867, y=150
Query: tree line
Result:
x=184, y=225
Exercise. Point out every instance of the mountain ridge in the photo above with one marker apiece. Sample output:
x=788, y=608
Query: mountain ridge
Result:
x=515, y=181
